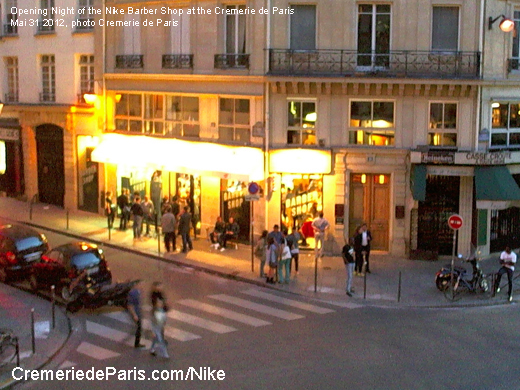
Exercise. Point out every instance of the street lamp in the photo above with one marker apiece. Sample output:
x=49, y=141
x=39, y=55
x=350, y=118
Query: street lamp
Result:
x=506, y=24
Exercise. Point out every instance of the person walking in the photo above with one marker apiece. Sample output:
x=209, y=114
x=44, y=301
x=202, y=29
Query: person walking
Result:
x=272, y=257
x=362, y=248
x=285, y=261
x=320, y=225
x=261, y=251
x=293, y=241
x=349, y=261
x=148, y=214
x=184, y=229
x=159, y=309
x=134, y=308
x=137, y=212
x=508, y=261
x=123, y=204
x=168, y=226
x=110, y=209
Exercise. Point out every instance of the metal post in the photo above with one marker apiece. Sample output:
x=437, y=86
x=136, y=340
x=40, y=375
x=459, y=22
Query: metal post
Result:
x=316, y=273
x=109, y=228
x=33, y=343
x=67, y=219
x=158, y=240
x=399, y=289
x=452, y=284
x=30, y=210
x=53, y=305
x=17, y=346
x=251, y=216
x=365, y=285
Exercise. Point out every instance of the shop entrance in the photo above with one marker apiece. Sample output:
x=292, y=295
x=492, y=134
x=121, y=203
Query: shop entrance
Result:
x=234, y=205
x=442, y=200
x=370, y=203
x=51, y=172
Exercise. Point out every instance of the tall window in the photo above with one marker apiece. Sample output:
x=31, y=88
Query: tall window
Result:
x=10, y=18
x=442, y=129
x=180, y=34
x=46, y=22
x=235, y=30
x=85, y=21
x=182, y=116
x=86, y=75
x=373, y=35
x=372, y=123
x=48, y=72
x=234, y=120
x=303, y=27
x=131, y=35
x=505, y=124
x=129, y=115
x=11, y=64
x=301, y=122
x=516, y=43
x=445, y=29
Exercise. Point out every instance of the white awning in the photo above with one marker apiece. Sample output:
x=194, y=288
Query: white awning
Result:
x=302, y=161
x=199, y=158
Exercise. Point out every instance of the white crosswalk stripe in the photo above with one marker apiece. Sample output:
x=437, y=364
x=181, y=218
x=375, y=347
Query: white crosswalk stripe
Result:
x=200, y=322
x=286, y=315
x=169, y=331
x=95, y=352
x=288, y=302
x=114, y=334
x=220, y=311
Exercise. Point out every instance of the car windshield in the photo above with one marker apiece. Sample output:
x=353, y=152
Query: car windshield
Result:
x=85, y=260
x=29, y=242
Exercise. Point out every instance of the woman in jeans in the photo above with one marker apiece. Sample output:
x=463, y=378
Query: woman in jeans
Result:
x=159, y=310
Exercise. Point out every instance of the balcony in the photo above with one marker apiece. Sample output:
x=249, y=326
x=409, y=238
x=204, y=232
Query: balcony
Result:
x=47, y=97
x=177, y=61
x=231, y=61
x=401, y=63
x=11, y=97
x=513, y=64
x=10, y=31
x=132, y=61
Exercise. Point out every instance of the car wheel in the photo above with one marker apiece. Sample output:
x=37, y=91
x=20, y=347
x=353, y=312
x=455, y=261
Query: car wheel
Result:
x=3, y=275
x=33, y=282
x=66, y=294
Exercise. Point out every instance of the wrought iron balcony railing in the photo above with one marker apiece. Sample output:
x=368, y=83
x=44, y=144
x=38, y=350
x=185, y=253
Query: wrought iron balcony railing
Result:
x=231, y=61
x=513, y=64
x=11, y=97
x=10, y=30
x=177, y=61
x=132, y=61
x=45, y=26
x=401, y=63
x=47, y=96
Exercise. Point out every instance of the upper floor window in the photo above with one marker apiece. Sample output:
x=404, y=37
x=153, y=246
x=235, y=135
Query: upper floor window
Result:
x=182, y=116
x=46, y=22
x=505, y=125
x=235, y=29
x=372, y=123
x=11, y=64
x=9, y=26
x=303, y=27
x=442, y=129
x=131, y=35
x=233, y=120
x=86, y=75
x=129, y=113
x=373, y=35
x=514, y=62
x=48, y=73
x=180, y=34
x=301, y=122
x=445, y=29
x=84, y=20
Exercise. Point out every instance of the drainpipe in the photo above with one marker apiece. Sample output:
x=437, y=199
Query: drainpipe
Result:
x=481, y=42
x=104, y=86
x=266, y=112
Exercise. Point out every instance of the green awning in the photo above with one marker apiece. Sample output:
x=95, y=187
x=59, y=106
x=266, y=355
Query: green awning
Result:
x=419, y=182
x=495, y=183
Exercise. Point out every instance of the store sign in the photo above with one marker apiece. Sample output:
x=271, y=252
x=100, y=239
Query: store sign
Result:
x=9, y=134
x=482, y=158
x=438, y=157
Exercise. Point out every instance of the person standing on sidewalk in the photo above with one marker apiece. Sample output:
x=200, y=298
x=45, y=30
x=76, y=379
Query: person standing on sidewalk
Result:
x=123, y=204
x=110, y=209
x=293, y=240
x=362, y=247
x=508, y=261
x=320, y=226
x=149, y=214
x=261, y=251
x=137, y=212
x=159, y=309
x=349, y=261
x=169, y=225
x=272, y=257
x=134, y=308
x=284, y=266
x=184, y=229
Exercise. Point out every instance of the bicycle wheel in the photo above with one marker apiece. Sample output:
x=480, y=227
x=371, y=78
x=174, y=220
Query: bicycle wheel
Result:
x=455, y=291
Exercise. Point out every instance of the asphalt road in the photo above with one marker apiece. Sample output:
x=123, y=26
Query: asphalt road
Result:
x=281, y=341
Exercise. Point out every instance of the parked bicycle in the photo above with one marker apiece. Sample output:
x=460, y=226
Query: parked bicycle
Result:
x=459, y=283
x=8, y=347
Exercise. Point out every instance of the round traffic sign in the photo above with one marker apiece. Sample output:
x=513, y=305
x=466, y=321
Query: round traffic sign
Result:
x=455, y=222
x=253, y=188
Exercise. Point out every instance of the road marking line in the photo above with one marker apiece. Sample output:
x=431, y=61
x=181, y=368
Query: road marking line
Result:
x=220, y=311
x=169, y=331
x=66, y=364
x=286, y=315
x=288, y=302
x=200, y=322
x=114, y=334
x=95, y=352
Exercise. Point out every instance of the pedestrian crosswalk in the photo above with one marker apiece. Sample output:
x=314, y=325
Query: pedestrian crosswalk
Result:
x=111, y=333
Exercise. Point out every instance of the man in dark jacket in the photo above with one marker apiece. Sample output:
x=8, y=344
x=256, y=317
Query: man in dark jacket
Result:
x=184, y=229
x=362, y=247
x=231, y=233
x=124, y=204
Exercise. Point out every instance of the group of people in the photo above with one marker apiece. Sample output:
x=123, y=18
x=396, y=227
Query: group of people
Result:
x=223, y=232
x=356, y=254
x=174, y=221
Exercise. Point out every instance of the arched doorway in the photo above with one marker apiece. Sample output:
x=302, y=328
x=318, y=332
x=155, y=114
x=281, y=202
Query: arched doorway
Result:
x=51, y=175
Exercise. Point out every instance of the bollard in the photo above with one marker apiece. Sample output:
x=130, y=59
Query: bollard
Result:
x=399, y=289
x=365, y=286
x=67, y=219
x=53, y=306
x=109, y=228
x=33, y=336
x=158, y=242
x=316, y=273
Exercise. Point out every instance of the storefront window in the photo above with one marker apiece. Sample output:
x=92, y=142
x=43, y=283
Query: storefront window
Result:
x=505, y=125
x=188, y=193
x=302, y=200
x=234, y=205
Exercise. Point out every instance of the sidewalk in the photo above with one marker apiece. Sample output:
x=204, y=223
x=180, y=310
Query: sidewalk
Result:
x=15, y=314
x=417, y=286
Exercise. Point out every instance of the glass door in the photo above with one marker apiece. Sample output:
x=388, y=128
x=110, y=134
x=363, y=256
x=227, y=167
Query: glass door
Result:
x=373, y=36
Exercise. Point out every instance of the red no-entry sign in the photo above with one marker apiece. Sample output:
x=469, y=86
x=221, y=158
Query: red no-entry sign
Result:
x=455, y=222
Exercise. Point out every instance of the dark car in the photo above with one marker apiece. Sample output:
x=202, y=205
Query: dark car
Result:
x=20, y=247
x=70, y=268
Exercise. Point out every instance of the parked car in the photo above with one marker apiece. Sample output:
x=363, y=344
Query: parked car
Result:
x=71, y=268
x=20, y=247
